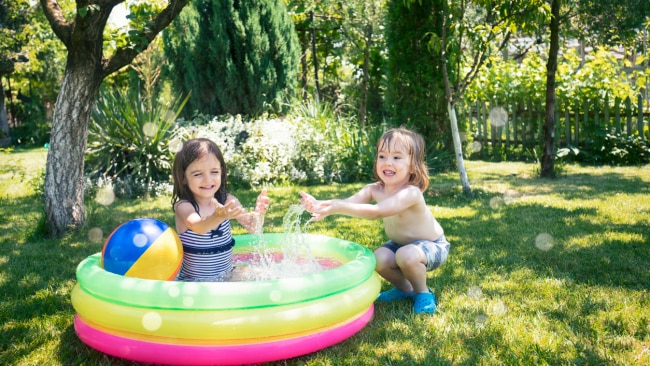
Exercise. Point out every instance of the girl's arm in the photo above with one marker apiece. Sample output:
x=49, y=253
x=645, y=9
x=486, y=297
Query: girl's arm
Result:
x=188, y=218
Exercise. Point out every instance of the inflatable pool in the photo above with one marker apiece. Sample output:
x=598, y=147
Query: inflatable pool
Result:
x=208, y=323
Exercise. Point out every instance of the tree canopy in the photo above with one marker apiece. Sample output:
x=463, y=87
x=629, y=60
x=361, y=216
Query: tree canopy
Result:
x=236, y=57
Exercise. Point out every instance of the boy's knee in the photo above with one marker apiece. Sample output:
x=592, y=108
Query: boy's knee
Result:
x=383, y=259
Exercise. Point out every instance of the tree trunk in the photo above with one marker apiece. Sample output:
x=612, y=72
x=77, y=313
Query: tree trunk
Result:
x=64, y=176
x=458, y=150
x=365, y=81
x=85, y=69
x=4, y=122
x=548, y=154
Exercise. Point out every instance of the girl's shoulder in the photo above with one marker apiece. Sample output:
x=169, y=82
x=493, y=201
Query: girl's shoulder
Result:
x=184, y=205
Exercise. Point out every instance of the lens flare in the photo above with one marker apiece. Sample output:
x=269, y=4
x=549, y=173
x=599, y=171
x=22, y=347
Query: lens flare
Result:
x=498, y=117
x=544, y=242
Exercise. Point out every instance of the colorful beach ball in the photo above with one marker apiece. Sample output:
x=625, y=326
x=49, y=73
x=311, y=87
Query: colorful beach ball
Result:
x=143, y=248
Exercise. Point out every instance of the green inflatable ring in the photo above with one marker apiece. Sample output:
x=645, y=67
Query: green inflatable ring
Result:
x=359, y=265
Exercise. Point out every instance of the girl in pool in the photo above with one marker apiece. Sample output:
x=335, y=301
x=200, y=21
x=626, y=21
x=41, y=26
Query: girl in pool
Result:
x=416, y=242
x=203, y=209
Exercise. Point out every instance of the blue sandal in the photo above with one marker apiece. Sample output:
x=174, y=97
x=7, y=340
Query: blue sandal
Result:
x=425, y=303
x=393, y=294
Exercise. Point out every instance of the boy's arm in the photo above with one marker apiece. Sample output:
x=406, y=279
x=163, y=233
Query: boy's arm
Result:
x=358, y=205
x=319, y=208
x=390, y=206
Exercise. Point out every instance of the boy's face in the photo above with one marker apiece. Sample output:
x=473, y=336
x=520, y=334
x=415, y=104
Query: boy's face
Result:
x=393, y=164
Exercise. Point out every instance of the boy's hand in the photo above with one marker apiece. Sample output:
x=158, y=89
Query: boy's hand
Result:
x=317, y=208
x=307, y=201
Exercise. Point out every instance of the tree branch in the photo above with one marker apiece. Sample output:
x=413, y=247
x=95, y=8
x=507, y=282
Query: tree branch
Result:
x=124, y=55
x=61, y=27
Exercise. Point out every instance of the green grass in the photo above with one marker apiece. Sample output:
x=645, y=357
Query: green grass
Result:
x=581, y=299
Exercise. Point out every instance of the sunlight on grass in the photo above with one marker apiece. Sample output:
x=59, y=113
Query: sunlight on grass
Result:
x=549, y=272
x=20, y=172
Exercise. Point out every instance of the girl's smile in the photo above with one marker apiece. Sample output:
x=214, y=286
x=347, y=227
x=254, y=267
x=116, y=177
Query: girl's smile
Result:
x=203, y=176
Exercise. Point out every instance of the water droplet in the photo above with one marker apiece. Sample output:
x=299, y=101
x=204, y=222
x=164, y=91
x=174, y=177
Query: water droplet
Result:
x=151, y=321
x=544, y=242
x=173, y=291
x=480, y=320
x=95, y=235
x=510, y=196
x=497, y=203
x=105, y=196
x=474, y=292
x=275, y=295
x=499, y=308
x=498, y=117
x=139, y=240
x=149, y=129
x=175, y=145
x=476, y=146
x=188, y=301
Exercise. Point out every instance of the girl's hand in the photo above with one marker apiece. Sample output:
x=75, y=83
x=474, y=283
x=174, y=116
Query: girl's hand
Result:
x=230, y=210
x=262, y=203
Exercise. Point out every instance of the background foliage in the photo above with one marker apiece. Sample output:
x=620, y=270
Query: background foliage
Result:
x=128, y=142
x=235, y=57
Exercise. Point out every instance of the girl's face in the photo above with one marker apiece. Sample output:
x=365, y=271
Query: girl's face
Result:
x=394, y=165
x=203, y=177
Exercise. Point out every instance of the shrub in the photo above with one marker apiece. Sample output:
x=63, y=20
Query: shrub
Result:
x=268, y=151
x=610, y=149
x=313, y=146
x=128, y=142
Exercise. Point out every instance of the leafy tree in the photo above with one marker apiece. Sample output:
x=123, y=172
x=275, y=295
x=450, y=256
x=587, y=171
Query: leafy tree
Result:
x=342, y=59
x=87, y=65
x=415, y=91
x=38, y=77
x=614, y=15
x=362, y=28
x=13, y=18
x=236, y=57
x=470, y=31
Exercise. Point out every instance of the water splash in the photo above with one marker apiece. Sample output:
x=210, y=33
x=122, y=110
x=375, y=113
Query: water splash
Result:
x=293, y=258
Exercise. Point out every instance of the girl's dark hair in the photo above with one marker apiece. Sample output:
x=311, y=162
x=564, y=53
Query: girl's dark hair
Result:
x=190, y=151
x=413, y=143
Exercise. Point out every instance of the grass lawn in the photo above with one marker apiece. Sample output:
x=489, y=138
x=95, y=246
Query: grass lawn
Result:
x=541, y=272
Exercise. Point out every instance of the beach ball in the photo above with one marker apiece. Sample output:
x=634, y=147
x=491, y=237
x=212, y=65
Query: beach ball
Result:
x=143, y=248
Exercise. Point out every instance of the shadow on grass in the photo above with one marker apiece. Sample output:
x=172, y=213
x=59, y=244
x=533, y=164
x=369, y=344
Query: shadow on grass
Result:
x=491, y=242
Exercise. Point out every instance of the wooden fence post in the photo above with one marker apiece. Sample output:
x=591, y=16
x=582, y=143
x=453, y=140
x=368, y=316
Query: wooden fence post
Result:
x=640, y=118
x=567, y=126
x=617, y=105
x=628, y=112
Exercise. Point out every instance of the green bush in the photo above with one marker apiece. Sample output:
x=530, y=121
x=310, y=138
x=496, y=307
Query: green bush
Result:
x=33, y=128
x=610, y=149
x=128, y=142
